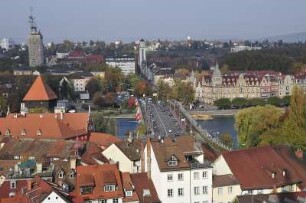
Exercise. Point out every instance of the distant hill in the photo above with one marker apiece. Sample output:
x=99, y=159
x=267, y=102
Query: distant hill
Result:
x=294, y=37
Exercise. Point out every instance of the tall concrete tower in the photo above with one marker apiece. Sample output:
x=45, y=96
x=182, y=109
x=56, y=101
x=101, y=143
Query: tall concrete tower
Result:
x=142, y=58
x=35, y=44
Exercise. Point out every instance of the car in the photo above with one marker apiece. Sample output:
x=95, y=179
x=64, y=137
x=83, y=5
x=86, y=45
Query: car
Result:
x=170, y=131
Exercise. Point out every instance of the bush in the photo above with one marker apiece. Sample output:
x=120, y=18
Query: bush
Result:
x=223, y=103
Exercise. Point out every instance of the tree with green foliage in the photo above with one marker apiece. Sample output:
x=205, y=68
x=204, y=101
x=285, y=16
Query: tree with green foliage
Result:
x=183, y=92
x=100, y=122
x=223, y=103
x=93, y=86
x=164, y=90
x=295, y=125
x=251, y=123
x=226, y=139
x=275, y=101
x=240, y=103
x=257, y=102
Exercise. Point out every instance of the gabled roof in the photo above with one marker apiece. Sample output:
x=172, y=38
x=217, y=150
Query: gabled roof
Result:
x=179, y=147
x=102, y=139
x=129, y=186
x=277, y=197
x=39, y=91
x=142, y=183
x=224, y=180
x=99, y=175
x=51, y=125
x=131, y=150
x=253, y=168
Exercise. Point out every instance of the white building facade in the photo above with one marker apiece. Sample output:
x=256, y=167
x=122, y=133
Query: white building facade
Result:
x=178, y=184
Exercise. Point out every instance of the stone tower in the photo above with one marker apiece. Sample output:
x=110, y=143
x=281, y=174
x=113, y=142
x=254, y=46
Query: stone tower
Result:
x=35, y=45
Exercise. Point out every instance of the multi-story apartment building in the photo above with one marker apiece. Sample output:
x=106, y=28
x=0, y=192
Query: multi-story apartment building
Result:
x=178, y=170
x=126, y=64
x=251, y=84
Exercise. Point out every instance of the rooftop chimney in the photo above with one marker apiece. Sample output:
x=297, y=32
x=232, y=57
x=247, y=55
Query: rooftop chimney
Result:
x=273, y=175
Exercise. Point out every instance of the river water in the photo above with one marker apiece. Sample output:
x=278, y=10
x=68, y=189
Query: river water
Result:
x=216, y=126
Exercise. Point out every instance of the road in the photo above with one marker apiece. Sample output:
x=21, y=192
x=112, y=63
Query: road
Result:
x=159, y=119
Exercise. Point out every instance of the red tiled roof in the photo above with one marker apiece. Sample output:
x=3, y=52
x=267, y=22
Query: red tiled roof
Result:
x=100, y=175
x=50, y=125
x=129, y=186
x=5, y=188
x=102, y=139
x=276, y=197
x=93, y=154
x=165, y=148
x=210, y=154
x=224, y=180
x=253, y=168
x=40, y=91
x=141, y=183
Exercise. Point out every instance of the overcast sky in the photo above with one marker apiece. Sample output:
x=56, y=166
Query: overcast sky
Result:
x=130, y=20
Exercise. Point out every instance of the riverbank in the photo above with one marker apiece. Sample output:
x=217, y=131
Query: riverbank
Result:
x=210, y=113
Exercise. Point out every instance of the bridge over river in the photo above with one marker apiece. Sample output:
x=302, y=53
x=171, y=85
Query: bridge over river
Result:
x=171, y=119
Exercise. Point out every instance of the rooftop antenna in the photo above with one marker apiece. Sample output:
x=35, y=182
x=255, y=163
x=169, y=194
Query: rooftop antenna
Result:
x=32, y=21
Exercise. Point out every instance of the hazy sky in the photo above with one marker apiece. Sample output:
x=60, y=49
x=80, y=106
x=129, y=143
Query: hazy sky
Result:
x=129, y=20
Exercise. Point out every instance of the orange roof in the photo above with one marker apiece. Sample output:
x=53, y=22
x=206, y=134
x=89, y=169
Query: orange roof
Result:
x=98, y=176
x=39, y=91
x=50, y=125
x=102, y=139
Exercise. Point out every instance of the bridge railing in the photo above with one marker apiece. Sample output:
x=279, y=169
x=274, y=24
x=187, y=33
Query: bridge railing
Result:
x=204, y=134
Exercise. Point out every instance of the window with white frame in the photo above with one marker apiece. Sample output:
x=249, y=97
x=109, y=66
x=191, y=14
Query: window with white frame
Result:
x=205, y=190
x=109, y=188
x=170, y=192
x=102, y=200
x=204, y=174
x=128, y=193
x=220, y=191
x=196, y=190
x=172, y=161
x=169, y=177
x=180, y=176
x=230, y=190
x=196, y=175
x=181, y=192
x=115, y=201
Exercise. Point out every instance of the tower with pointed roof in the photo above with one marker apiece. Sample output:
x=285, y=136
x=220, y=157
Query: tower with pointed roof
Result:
x=35, y=44
x=40, y=95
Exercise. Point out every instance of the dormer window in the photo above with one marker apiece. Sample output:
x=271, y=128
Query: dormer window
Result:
x=23, y=132
x=86, y=190
x=109, y=188
x=61, y=174
x=7, y=132
x=128, y=193
x=39, y=132
x=172, y=161
x=13, y=184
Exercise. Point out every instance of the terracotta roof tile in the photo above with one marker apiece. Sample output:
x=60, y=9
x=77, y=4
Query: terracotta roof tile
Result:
x=129, y=186
x=100, y=175
x=224, y=180
x=102, y=139
x=253, y=168
x=49, y=124
x=165, y=148
x=130, y=149
x=142, y=183
x=39, y=91
x=278, y=197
